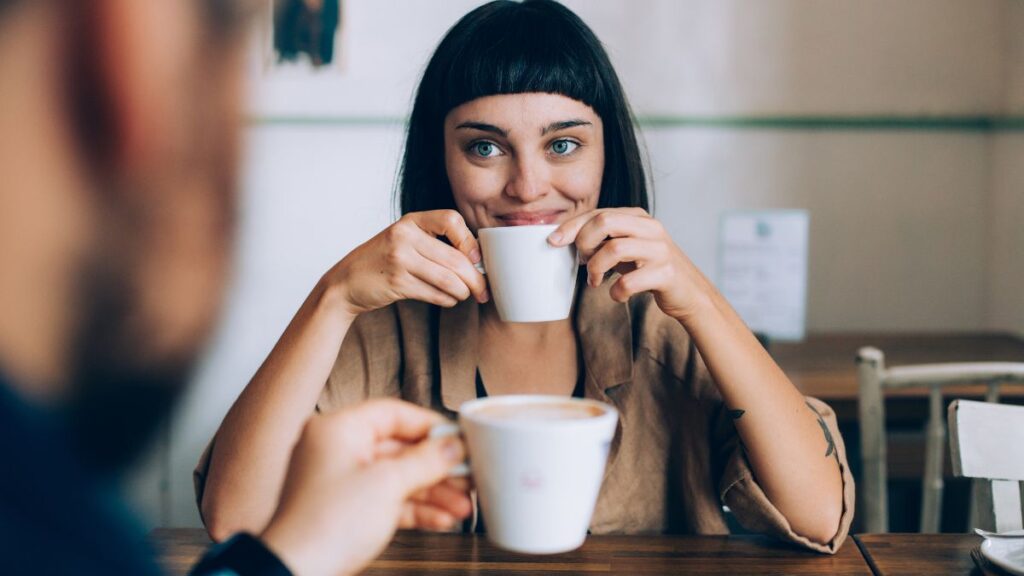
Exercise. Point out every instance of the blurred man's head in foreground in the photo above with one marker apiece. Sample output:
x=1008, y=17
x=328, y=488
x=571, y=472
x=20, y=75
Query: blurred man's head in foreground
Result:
x=119, y=125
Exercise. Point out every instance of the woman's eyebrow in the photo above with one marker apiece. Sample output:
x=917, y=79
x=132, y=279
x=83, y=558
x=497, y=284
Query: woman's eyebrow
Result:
x=483, y=128
x=556, y=126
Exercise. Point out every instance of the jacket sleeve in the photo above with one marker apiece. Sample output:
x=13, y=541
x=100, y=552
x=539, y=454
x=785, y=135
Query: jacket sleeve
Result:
x=739, y=490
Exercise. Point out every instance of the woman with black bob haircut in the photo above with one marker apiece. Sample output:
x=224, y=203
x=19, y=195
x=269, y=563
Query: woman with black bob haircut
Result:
x=518, y=48
x=520, y=119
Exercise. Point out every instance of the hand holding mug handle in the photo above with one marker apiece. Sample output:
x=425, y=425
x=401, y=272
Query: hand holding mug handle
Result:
x=446, y=429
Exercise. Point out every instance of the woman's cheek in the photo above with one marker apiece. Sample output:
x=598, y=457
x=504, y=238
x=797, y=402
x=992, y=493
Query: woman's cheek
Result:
x=474, y=184
x=582, y=187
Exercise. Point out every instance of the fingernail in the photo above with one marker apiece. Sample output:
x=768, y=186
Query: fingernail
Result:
x=485, y=296
x=555, y=237
x=474, y=255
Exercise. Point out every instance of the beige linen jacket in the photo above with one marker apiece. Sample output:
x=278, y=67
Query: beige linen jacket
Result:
x=676, y=457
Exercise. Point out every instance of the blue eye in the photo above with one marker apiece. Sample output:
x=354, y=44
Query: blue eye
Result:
x=484, y=149
x=564, y=147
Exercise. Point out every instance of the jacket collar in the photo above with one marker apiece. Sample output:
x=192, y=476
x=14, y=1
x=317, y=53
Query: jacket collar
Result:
x=602, y=324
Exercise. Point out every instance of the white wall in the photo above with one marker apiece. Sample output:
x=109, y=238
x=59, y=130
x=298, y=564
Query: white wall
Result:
x=705, y=56
x=1013, y=58
x=296, y=223
x=1006, y=295
x=1006, y=264
x=901, y=220
x=803, y=56
x=898, y=219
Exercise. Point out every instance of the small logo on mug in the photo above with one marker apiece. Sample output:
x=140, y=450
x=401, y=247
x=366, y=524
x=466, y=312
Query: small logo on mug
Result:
x=532, y=481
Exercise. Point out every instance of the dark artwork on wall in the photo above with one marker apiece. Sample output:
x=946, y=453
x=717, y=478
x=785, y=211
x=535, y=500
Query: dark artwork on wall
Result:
x=306, y=27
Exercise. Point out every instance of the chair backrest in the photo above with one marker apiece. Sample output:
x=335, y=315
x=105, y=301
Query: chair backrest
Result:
x=987, y=443
x=874, y=378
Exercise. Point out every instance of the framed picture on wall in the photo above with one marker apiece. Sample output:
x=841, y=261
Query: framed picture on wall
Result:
x=342, y=61
x=302, y=38
x=763, y=269
x=299, y=60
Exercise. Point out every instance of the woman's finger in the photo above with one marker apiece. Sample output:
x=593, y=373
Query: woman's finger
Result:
x=450, y=258
x=424, y=292
x=566, y=233
x=451, y=225
x=640, y=280
x=613, y=224
x=437, y=276
x=616, y=252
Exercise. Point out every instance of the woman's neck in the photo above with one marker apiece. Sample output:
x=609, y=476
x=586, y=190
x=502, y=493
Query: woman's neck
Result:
x=521, y=332
x=520, y=358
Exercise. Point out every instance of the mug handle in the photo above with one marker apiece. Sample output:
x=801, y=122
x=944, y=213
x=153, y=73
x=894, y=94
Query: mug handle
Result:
x=445, y=430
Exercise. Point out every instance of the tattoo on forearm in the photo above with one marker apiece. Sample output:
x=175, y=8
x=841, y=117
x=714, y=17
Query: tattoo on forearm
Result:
x=736, y=414
x=824, y=428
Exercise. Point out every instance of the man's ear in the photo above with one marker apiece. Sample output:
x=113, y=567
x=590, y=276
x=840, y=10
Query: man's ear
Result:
x=141, y=52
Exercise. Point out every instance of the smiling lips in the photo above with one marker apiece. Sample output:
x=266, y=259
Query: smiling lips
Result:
x=530, y=218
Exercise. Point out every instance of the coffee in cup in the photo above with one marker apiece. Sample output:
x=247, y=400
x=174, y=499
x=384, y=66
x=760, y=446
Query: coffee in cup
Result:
x=538, y=412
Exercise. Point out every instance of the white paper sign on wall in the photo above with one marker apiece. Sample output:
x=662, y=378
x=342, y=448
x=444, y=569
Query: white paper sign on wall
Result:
x=763, y=269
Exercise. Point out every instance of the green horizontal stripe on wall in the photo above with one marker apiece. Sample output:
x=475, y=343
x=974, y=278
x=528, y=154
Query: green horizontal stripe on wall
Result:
x=870, y=123
x=1009, y=123
x=831, y=123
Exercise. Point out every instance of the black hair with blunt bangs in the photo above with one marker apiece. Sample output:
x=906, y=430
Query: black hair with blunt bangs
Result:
x=506, y=47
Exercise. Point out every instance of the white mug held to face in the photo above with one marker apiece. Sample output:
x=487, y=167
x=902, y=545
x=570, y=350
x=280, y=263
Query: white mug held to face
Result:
x=538, y=463
x=530, y=280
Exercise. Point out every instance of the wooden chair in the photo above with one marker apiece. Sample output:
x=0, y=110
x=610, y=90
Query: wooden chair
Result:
x=987, y=444
x=873, y=379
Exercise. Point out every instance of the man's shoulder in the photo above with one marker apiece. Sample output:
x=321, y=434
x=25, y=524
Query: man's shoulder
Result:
x=54, y=517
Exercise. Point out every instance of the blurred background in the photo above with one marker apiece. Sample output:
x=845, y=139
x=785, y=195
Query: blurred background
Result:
x=897, y=125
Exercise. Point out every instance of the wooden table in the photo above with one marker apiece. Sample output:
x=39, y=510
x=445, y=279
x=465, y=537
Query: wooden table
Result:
x=924, y=554
x=824, y=365
x=413, y=553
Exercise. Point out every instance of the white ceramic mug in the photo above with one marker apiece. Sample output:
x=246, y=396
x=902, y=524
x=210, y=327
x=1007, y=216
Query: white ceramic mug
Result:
x=537, y=463
x=530, y=280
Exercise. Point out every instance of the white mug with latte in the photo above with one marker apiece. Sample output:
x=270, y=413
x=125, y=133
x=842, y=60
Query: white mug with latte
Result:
x=538, y=463
x=530, y=280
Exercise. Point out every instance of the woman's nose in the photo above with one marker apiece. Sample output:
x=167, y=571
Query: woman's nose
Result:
x=529, y=180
